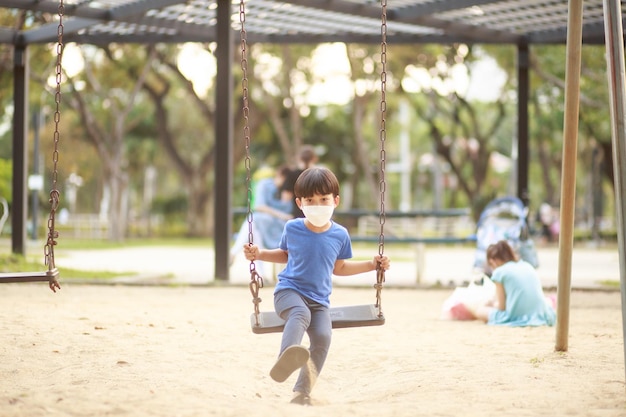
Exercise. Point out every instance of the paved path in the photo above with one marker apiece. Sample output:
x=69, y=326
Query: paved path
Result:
x=448, y=265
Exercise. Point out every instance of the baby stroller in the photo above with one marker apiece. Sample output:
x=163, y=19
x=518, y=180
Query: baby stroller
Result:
x=504, y=218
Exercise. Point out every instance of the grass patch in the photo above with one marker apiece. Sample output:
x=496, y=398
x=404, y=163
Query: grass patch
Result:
x=16, y=263
x=132, y=243
x=610, y=283
x=37, y=247
x=73, y=274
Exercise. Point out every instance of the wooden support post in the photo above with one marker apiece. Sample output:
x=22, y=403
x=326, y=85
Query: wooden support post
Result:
x=568, y=176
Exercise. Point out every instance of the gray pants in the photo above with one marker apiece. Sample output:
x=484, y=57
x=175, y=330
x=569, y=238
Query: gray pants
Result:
x=303, y=315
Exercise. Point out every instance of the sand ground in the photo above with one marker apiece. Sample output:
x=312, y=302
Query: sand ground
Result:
x=170, y=351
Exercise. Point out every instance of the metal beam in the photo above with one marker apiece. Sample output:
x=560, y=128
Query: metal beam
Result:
x=223, y=141
x=424, y=9
x=165, y=25
x=210, y=36
x=121, y=12
x=20, y=149
x=617, y=94
x=145, y=39
x=470, y=33
x=81, y=17
x=523, y=93
x=49, y=33
x=139, y=7
x=52, y=7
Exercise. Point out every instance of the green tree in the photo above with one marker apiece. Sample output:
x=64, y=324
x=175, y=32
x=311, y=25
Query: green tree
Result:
x=102, y=86
x=463, y=133
x=186, y=134
x=595, y=174
x=6, y=175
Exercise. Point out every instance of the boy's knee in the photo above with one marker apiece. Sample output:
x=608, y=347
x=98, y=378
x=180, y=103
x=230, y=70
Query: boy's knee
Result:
x=321, y=338
x=299, y=313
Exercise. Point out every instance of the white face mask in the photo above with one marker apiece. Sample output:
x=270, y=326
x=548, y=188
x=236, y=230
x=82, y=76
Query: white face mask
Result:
x=319, y=216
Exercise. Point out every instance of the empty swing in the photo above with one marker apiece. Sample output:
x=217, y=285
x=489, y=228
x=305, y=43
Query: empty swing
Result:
x=52, y=273
x=342, y=316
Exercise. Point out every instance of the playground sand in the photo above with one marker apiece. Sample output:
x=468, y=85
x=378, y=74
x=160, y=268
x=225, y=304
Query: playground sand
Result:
x=189, y=351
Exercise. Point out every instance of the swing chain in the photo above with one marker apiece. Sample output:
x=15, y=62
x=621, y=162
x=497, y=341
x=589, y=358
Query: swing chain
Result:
x=54, y=193
x=246, y=118
x=256, y=281
x=380, y=272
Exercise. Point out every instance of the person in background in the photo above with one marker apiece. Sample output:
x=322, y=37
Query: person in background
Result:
x=271, y=209
x=547, y=218
x=307, y=158
x=519, y=299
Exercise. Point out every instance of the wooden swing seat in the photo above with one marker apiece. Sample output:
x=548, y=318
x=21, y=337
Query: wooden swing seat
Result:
x=342, y=317
x=9, y=277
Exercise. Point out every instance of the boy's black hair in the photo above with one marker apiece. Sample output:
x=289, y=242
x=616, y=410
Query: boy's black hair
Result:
x=316, y=180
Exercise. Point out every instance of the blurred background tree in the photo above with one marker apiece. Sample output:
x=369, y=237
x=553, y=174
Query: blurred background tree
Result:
x=139, y=126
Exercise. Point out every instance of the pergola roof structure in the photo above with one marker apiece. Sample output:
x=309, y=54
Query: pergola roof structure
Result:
x=311, y=21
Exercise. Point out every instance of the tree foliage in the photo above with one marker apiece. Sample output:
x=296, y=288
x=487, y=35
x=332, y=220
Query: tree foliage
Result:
x=137, y=111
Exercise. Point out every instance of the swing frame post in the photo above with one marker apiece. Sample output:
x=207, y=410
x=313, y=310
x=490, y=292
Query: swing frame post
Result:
x=52, y=274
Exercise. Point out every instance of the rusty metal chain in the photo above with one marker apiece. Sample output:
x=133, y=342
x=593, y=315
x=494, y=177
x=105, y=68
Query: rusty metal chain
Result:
x=256, y=281
x=380, y=272
x=54, y=193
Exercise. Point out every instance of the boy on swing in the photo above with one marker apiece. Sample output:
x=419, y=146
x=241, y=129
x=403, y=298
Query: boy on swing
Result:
x=314, y=248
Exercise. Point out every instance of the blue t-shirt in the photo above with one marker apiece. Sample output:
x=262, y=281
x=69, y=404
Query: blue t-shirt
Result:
x=526, y=304
x=312, y=258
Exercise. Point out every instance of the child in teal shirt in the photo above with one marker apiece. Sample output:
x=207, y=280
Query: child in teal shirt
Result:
x=520, y=300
